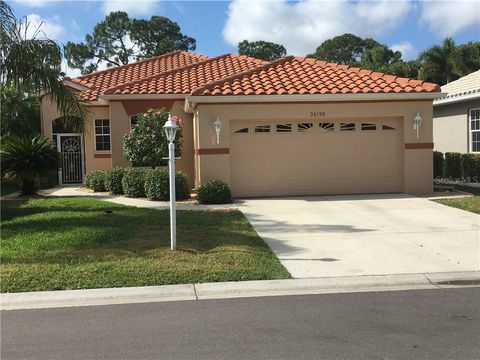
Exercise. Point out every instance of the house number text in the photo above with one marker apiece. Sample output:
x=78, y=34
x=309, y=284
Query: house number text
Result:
x=317, y=113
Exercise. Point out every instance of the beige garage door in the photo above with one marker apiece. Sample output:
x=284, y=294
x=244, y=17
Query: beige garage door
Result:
x=275, y=158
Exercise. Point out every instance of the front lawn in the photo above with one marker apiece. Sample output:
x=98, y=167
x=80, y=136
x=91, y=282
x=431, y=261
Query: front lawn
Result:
x=469, y=204
x=71, y=243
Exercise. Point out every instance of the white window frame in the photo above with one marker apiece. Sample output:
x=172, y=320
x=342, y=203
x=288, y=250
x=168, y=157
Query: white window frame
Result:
x=470, y=131
x=130, y=119
x=109, y=136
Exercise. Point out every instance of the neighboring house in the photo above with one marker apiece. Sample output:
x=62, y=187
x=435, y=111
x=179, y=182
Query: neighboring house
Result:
x=456, y=118
x=294, y=126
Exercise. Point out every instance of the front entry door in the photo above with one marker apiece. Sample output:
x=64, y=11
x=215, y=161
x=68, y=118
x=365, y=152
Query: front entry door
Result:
x=70, y=147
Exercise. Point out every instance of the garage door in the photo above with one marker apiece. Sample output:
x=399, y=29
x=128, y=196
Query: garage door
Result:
x=277, y=158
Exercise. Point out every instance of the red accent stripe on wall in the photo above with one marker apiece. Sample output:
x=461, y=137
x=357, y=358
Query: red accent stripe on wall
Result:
x=410, y=146
x=214, y=151
x=102, y=156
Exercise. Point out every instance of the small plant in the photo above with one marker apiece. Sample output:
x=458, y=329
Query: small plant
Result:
x=113, y=180
x=471, y=165
x=453, y=165
x=27, y=159
x=157, y=186
x=133, y=182
x=438, y=164
x=214, y=192
x=95, y=180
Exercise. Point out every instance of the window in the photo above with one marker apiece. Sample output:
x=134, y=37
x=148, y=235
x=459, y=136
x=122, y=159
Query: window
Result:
x=388, y=127
x=241, y=131
x=133, y=121
x=302, y=127
x=102, y=135
x=347, y=126
x=368, y=126
x=284, y=127
x=475, y=130
x=326, y=126
x=262, y=128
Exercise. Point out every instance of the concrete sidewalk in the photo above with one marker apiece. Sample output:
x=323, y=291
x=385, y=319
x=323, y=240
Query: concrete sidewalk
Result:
x=77, y=191
x=222, y=290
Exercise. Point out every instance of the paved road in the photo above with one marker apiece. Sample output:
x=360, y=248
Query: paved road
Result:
x=421, y=324
x=349, y=235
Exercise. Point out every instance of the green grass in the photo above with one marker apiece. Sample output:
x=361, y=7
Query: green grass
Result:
x=71, y=243
x=471, y=204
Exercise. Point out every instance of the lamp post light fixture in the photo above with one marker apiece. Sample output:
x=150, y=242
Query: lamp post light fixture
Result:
x=217, y=125
x=170, y=128
x=417, y=121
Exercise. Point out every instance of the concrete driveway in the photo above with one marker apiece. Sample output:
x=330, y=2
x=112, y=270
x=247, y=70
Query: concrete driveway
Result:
x=365, y=234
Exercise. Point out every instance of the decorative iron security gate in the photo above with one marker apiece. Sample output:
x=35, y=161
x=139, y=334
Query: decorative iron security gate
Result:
x=70, y=147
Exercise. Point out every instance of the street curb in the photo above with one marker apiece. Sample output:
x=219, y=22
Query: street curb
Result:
x=228, y=290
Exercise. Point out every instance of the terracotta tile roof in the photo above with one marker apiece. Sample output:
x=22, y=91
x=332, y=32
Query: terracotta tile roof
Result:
x=98, y=82
x=186, y=79
x=299, y=75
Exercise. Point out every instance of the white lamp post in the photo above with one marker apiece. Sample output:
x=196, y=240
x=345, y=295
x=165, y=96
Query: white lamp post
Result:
x=171, y=130
x=417, y=121
x=217, y=124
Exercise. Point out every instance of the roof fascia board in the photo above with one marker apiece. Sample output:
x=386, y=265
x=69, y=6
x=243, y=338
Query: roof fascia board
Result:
x=193, y=100
x=75, y=85
x=456, y=99
x=112, y=97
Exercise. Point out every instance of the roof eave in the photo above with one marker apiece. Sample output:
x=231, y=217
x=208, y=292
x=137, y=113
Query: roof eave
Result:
x=456, y=99
x=115, y=97
x=192, y=101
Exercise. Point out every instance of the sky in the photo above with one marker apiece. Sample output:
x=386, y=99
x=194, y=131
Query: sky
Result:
x=406, y=25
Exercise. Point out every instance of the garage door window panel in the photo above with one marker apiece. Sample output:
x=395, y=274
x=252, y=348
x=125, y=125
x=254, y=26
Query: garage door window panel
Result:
x=305, y=127
x=347, y=126
x=388, y=127
x=262, y=129
x=284, y=128
x=369, y=127
x=243, y=130
x=327, y=127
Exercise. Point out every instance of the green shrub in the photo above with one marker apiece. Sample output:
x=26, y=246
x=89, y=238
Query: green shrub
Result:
x=438, y=164
x=133, y=182
x=214, y=192
x=95, y=180
x=453, y=165
x=471, y=165
x=157, y=185
x=113, y=180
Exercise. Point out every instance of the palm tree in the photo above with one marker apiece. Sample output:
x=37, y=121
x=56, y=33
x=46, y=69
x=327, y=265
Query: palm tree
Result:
x=447, y=62
x=26, y=159
x=32, y=64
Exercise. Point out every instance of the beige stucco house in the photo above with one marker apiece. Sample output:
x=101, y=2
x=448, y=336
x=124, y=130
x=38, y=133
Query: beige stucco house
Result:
x=294, y=126
x=456, y=118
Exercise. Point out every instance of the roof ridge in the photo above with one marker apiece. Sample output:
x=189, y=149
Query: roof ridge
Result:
x=243, y=73
x=163, y=73
x=137, y=62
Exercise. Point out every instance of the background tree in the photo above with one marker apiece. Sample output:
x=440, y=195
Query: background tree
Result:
x=20, y=113
x=447, y=62
x=32, y=65
x=263, y=50
x=146, y=144
x=119, y=40
x=345, y=49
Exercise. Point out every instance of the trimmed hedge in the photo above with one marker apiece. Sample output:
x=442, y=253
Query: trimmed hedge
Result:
x=133, y=182
x=471, y=165
x=157, y=185
x=438, y=164
x=214, y=192
x=453, y=165
x=95, y=180
x=113, y=180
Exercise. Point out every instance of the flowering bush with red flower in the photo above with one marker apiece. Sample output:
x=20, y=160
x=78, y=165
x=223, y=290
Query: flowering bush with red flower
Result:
x=146, y=144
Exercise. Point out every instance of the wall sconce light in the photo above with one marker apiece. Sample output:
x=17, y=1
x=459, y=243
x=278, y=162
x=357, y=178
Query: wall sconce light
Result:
x=217, y=125
x=417, y=121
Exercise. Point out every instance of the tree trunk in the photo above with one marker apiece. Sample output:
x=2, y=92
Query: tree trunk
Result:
x=28, y=187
